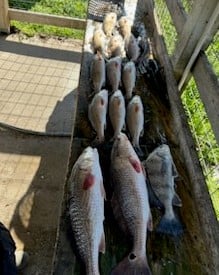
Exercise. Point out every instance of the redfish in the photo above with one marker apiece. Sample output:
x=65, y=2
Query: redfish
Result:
x=97, y=111
x=130, y=204
x=86, y=208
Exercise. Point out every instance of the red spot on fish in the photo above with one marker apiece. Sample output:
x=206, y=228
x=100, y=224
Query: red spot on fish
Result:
x=88, y=182
x=136, y=165
x=116, y=64
x=136, y=108
x=102, y=101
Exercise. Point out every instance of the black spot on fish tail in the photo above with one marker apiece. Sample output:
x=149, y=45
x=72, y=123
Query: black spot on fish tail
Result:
x=97, y=142
x=153, y=199
x=132, y=265
x=171, y=227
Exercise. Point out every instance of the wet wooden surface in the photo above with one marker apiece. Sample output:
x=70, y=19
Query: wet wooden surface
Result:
x=196, y=252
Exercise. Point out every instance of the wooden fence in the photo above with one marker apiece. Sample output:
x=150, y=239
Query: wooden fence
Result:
x=7, y=14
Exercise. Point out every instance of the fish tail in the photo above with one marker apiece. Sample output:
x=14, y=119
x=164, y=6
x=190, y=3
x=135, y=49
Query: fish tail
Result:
x=138, y=151
x=170, y=226
x=132, y=265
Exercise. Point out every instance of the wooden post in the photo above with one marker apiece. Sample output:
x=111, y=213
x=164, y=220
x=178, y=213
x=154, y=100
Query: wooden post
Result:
x=203, y=74
x=4, y=18
x=192, y=31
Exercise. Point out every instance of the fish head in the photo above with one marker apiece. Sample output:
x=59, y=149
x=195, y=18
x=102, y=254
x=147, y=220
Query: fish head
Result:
x=87, y=159
x=117, y=94
x=122, y=147
x=136, y=103
x=104, y=95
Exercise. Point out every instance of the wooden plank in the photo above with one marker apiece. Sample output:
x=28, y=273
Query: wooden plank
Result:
x=48, y=19
x=206, y=215
x=4, y=18
x=202, y=40
x=204, y=76
x=177, y=13
x=191, y=33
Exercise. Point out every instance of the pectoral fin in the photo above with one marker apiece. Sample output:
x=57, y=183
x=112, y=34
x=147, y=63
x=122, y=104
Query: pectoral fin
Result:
x=102, y=246
x=150, y=223
x=177, y=201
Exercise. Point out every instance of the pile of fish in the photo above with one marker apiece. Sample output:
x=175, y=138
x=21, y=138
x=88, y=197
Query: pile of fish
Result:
x=116, y=51
x=113, y=75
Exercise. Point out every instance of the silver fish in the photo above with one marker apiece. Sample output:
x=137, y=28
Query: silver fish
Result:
x=131, y=47
x=161, y=173
x=109, y=23
x=125, y=26
x=86, y=208
x=113, y=72
x=129, y=78
x=135, y=120
x=97, y=113
x=117, y=112
x=99, y=40
x=98, y=72
x=116, y=46
x=130, y=204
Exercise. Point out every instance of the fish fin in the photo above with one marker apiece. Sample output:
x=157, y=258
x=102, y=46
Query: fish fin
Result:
x=117, y=211
x=103, y=190
x=176, y=200
x=102, y=245
x=144, y=171
x=89, y=181
x=171, y=227
x=138, y=151
x=142, y=133
x=132, y=265
x=174, y=170
x=153, y=199
x=150, y=222
x=124, y=127
x=135, y=164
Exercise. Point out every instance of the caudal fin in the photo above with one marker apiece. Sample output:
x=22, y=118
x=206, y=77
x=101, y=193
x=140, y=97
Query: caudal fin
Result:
x=170, y=226
x=132, y=265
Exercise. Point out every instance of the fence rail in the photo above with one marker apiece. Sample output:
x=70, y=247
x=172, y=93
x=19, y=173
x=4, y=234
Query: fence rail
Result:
x=8, y=14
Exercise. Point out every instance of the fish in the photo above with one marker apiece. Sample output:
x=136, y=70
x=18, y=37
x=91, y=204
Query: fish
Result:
x=117, y=112
x=116, y=46
x=135, y=121
x=113, y=72
x=124, y=26
x=86, y=208
x=98, y=72
x=131, y=47
x=109, y=23
x=161, y=172
x=97, y=111
x=130, y=205
x=99, y=40
x=129, y=78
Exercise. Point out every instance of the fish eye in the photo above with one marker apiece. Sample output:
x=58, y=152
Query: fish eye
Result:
x=132, y=256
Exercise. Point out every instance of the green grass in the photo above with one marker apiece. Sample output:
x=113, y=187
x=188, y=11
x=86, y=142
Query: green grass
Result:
x=76, y=8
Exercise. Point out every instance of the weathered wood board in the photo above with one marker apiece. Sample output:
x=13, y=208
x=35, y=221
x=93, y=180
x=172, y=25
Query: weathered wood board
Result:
x=197, y=251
